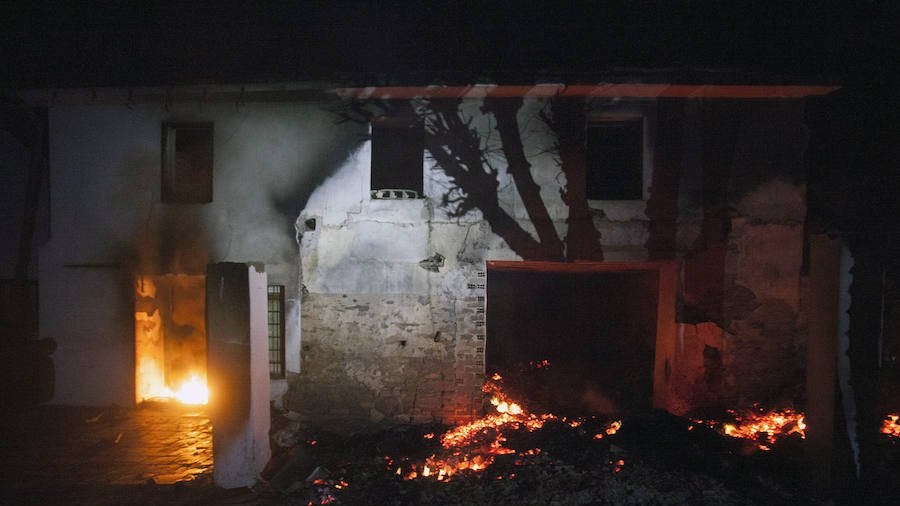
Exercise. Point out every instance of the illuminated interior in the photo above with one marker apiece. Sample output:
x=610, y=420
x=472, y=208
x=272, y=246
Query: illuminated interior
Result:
x=170, y=339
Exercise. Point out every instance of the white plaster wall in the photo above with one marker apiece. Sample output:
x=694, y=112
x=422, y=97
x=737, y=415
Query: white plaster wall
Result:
x=107, y=217
x=93, y=325
x=241, y=438
x=373, y=246
x=106, y=213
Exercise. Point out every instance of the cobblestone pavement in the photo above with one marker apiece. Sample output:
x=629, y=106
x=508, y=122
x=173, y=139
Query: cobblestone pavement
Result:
x=152, y=454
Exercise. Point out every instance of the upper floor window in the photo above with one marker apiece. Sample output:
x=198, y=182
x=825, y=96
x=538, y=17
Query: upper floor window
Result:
x=187, y=162
x=615, y=158
x=398, y=147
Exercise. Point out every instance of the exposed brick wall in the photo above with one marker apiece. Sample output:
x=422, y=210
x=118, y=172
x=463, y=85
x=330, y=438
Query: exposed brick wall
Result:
x=470, y=347
x=376, y=358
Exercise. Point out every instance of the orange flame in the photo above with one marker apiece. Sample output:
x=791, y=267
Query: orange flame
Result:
x=192, y=392
x=473, y=446
x=891, y=425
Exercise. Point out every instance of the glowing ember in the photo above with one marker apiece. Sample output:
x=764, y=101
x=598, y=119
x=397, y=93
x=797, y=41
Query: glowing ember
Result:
x=891, y=425
x=610, y=430
x=539, y=364
x=473, y=446
x=762, y=427
x=505, y=407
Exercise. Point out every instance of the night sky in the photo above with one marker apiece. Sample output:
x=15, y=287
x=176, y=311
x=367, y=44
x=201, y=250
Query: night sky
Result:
x=155, y=43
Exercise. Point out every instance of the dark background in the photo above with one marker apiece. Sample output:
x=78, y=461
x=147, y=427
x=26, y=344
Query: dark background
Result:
x=94, y=43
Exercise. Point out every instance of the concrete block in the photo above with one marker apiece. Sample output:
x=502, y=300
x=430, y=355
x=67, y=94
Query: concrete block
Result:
x=238, y=372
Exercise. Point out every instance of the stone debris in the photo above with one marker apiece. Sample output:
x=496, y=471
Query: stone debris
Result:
x=654, y=458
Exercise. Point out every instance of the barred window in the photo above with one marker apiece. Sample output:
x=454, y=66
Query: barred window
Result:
x=276, y=331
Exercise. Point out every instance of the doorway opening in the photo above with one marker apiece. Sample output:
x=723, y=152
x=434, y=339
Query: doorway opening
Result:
x=581, y=339
x=170, y=338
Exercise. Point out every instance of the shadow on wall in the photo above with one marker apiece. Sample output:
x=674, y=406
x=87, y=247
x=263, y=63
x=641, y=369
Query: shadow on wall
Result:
x=345, y=138
x=459, y=150
x=26, y=369
x=467, y=154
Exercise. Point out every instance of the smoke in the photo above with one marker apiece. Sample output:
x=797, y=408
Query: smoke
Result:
x=175, y=243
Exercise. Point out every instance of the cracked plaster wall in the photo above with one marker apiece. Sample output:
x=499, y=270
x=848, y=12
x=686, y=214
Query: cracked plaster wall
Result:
x=420, y=356
x=385, y=340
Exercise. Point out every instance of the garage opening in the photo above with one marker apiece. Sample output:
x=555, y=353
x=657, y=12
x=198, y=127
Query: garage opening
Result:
x=579, y=339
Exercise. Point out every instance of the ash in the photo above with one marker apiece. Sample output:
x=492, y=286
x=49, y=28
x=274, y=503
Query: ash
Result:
x=654, y=458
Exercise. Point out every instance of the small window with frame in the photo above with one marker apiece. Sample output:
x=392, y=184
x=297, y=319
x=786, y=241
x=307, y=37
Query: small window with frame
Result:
x=276, y=331
x=187, y=162
x=398, y=147
x=615, y=158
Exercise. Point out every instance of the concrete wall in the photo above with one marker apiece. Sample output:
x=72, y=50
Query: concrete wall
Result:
x=384, y=339
x=109, y=224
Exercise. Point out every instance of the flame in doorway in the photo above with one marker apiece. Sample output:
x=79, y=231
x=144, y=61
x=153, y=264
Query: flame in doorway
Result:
x=192, y=391
x=170, y=338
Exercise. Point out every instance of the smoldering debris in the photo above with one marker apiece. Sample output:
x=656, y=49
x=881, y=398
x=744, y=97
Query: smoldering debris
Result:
x=650, y=458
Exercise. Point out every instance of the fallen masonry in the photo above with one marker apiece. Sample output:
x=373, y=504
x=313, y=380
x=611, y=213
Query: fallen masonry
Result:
x=651, y=458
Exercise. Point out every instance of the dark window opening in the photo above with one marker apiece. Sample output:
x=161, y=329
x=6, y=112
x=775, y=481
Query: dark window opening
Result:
x=187, y=162
x=276, y=331
x=398, y=146
x=615, y=165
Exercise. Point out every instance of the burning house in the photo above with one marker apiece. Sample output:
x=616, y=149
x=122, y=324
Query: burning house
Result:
x=649, y=239
x=607, y=242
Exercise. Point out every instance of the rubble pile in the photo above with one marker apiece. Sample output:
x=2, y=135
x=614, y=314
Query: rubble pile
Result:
x=654, y=458
x=512, y=455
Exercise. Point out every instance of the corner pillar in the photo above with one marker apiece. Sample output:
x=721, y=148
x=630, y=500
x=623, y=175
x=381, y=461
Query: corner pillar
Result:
x=238, y=375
